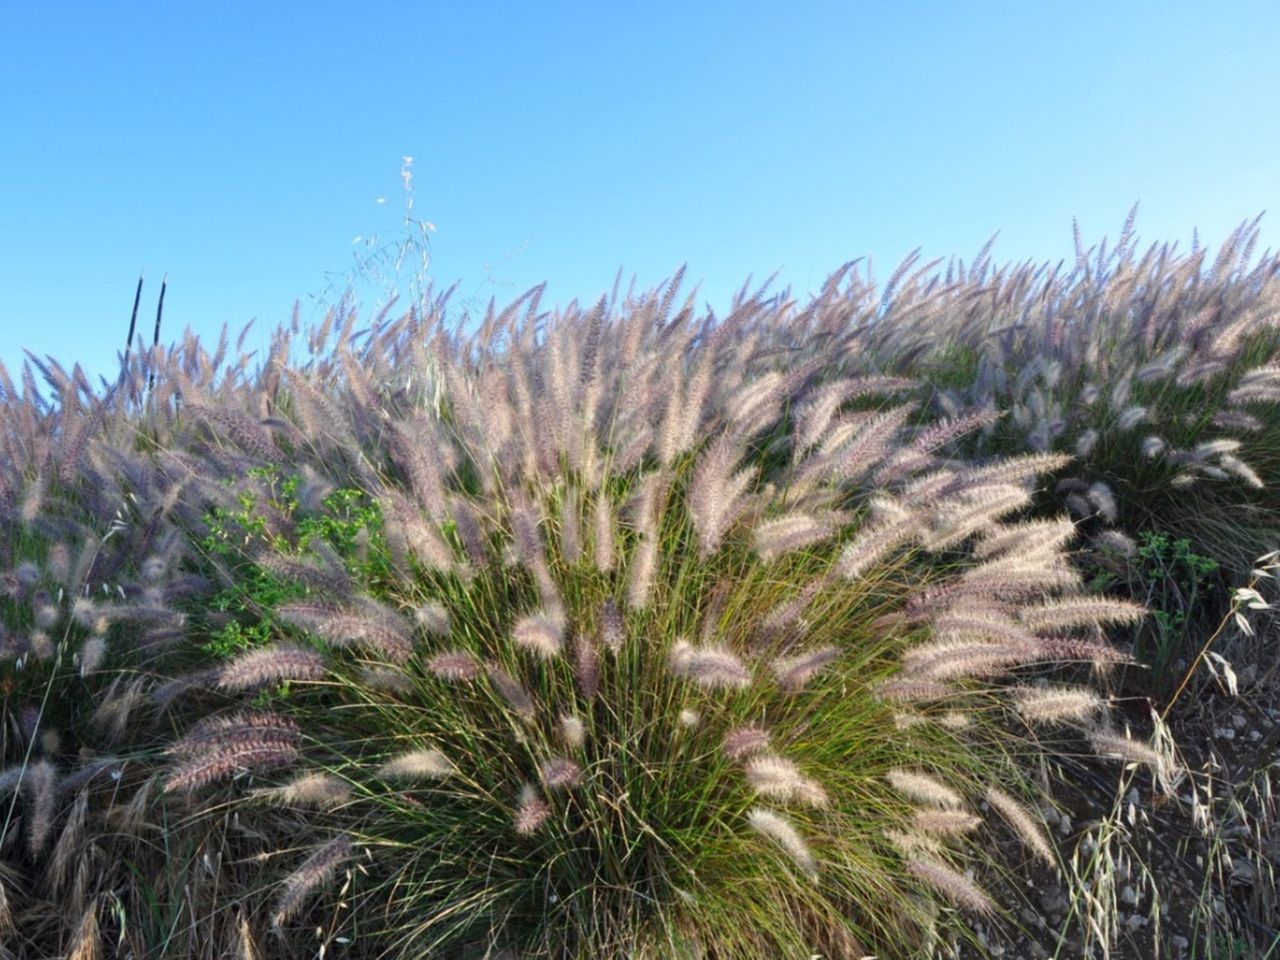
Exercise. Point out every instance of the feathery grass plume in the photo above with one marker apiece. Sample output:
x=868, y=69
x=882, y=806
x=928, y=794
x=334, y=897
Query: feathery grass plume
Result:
x=603, y=522
x=164, y=694
x=526, y=537
x=874, y=542
x=1036, y=536
x=950, y=661
x=531, y=811
x=980, y=622
x=1073, y=649
x=46, y=616
x=938, y=435
x=1079, y=611
x=1113, y=744
x=951, y=883
x=1019, y=580
x=223, y=746
x=611, y=632
x=513, y=694
x=710, y=666
x=1024, y=823
x=779, y=778
x=923, y=788
x=228, y=760
x=1215, y=448
x=41, y=645
x=1130, y=417
x=313, y=872
x=645, y=506
x=548, y=592
x=328, y=576
x=911, y=842
x=641, y=569
x=668, y=435
x=572, y=731
x=559, y=772
x=844, y=429
x=272, y=664
x=1152, y=447
x=908, y=690
x=424, y=764
x=89, y=615
x=755, y=405
x=1056, y=704
x=944, y=823
x=1022, y=469
x=773, y=538
x=787, y=618
x=409, y=532
x=320, y=790
x=454, y=666
x=1242, y=470
x=979, y=510
x=795, y=671
x=1104, y=501
x=586, y=667
x=571, y=526
x=92, y=655
x=539, y=634
x=59, y=561
x=40, y=788
x=1086, y=443
x=1251, y=393
x=1116, y=541
x=244, y=431
x=408, y=444
x=716, y=492
x=1120, y=392
x=745, y=741
x=871, y=444
x=433, y=618
x=778, y=829
x=814, y=416
x=467, y=524
x=1237, y=420
x=697, y=391
x=372, y=626
x=387, y=679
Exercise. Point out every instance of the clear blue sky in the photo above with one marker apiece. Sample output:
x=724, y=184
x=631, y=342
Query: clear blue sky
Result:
x=240, y=148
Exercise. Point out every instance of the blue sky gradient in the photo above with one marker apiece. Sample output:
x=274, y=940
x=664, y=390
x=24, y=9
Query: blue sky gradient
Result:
x=242, y=148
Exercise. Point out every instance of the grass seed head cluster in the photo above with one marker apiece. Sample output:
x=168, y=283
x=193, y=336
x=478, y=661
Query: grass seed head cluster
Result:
x=608, y=631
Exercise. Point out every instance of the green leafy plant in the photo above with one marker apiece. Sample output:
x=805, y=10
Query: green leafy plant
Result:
x=1172, y=581
x=347, y=525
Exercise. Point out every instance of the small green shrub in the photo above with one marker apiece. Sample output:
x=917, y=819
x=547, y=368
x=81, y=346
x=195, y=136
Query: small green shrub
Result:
x=1173, y=583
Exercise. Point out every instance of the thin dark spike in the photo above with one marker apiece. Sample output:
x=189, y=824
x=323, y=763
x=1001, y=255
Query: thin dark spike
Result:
x=133, y=323
x=133, y=317
x=155, y=342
